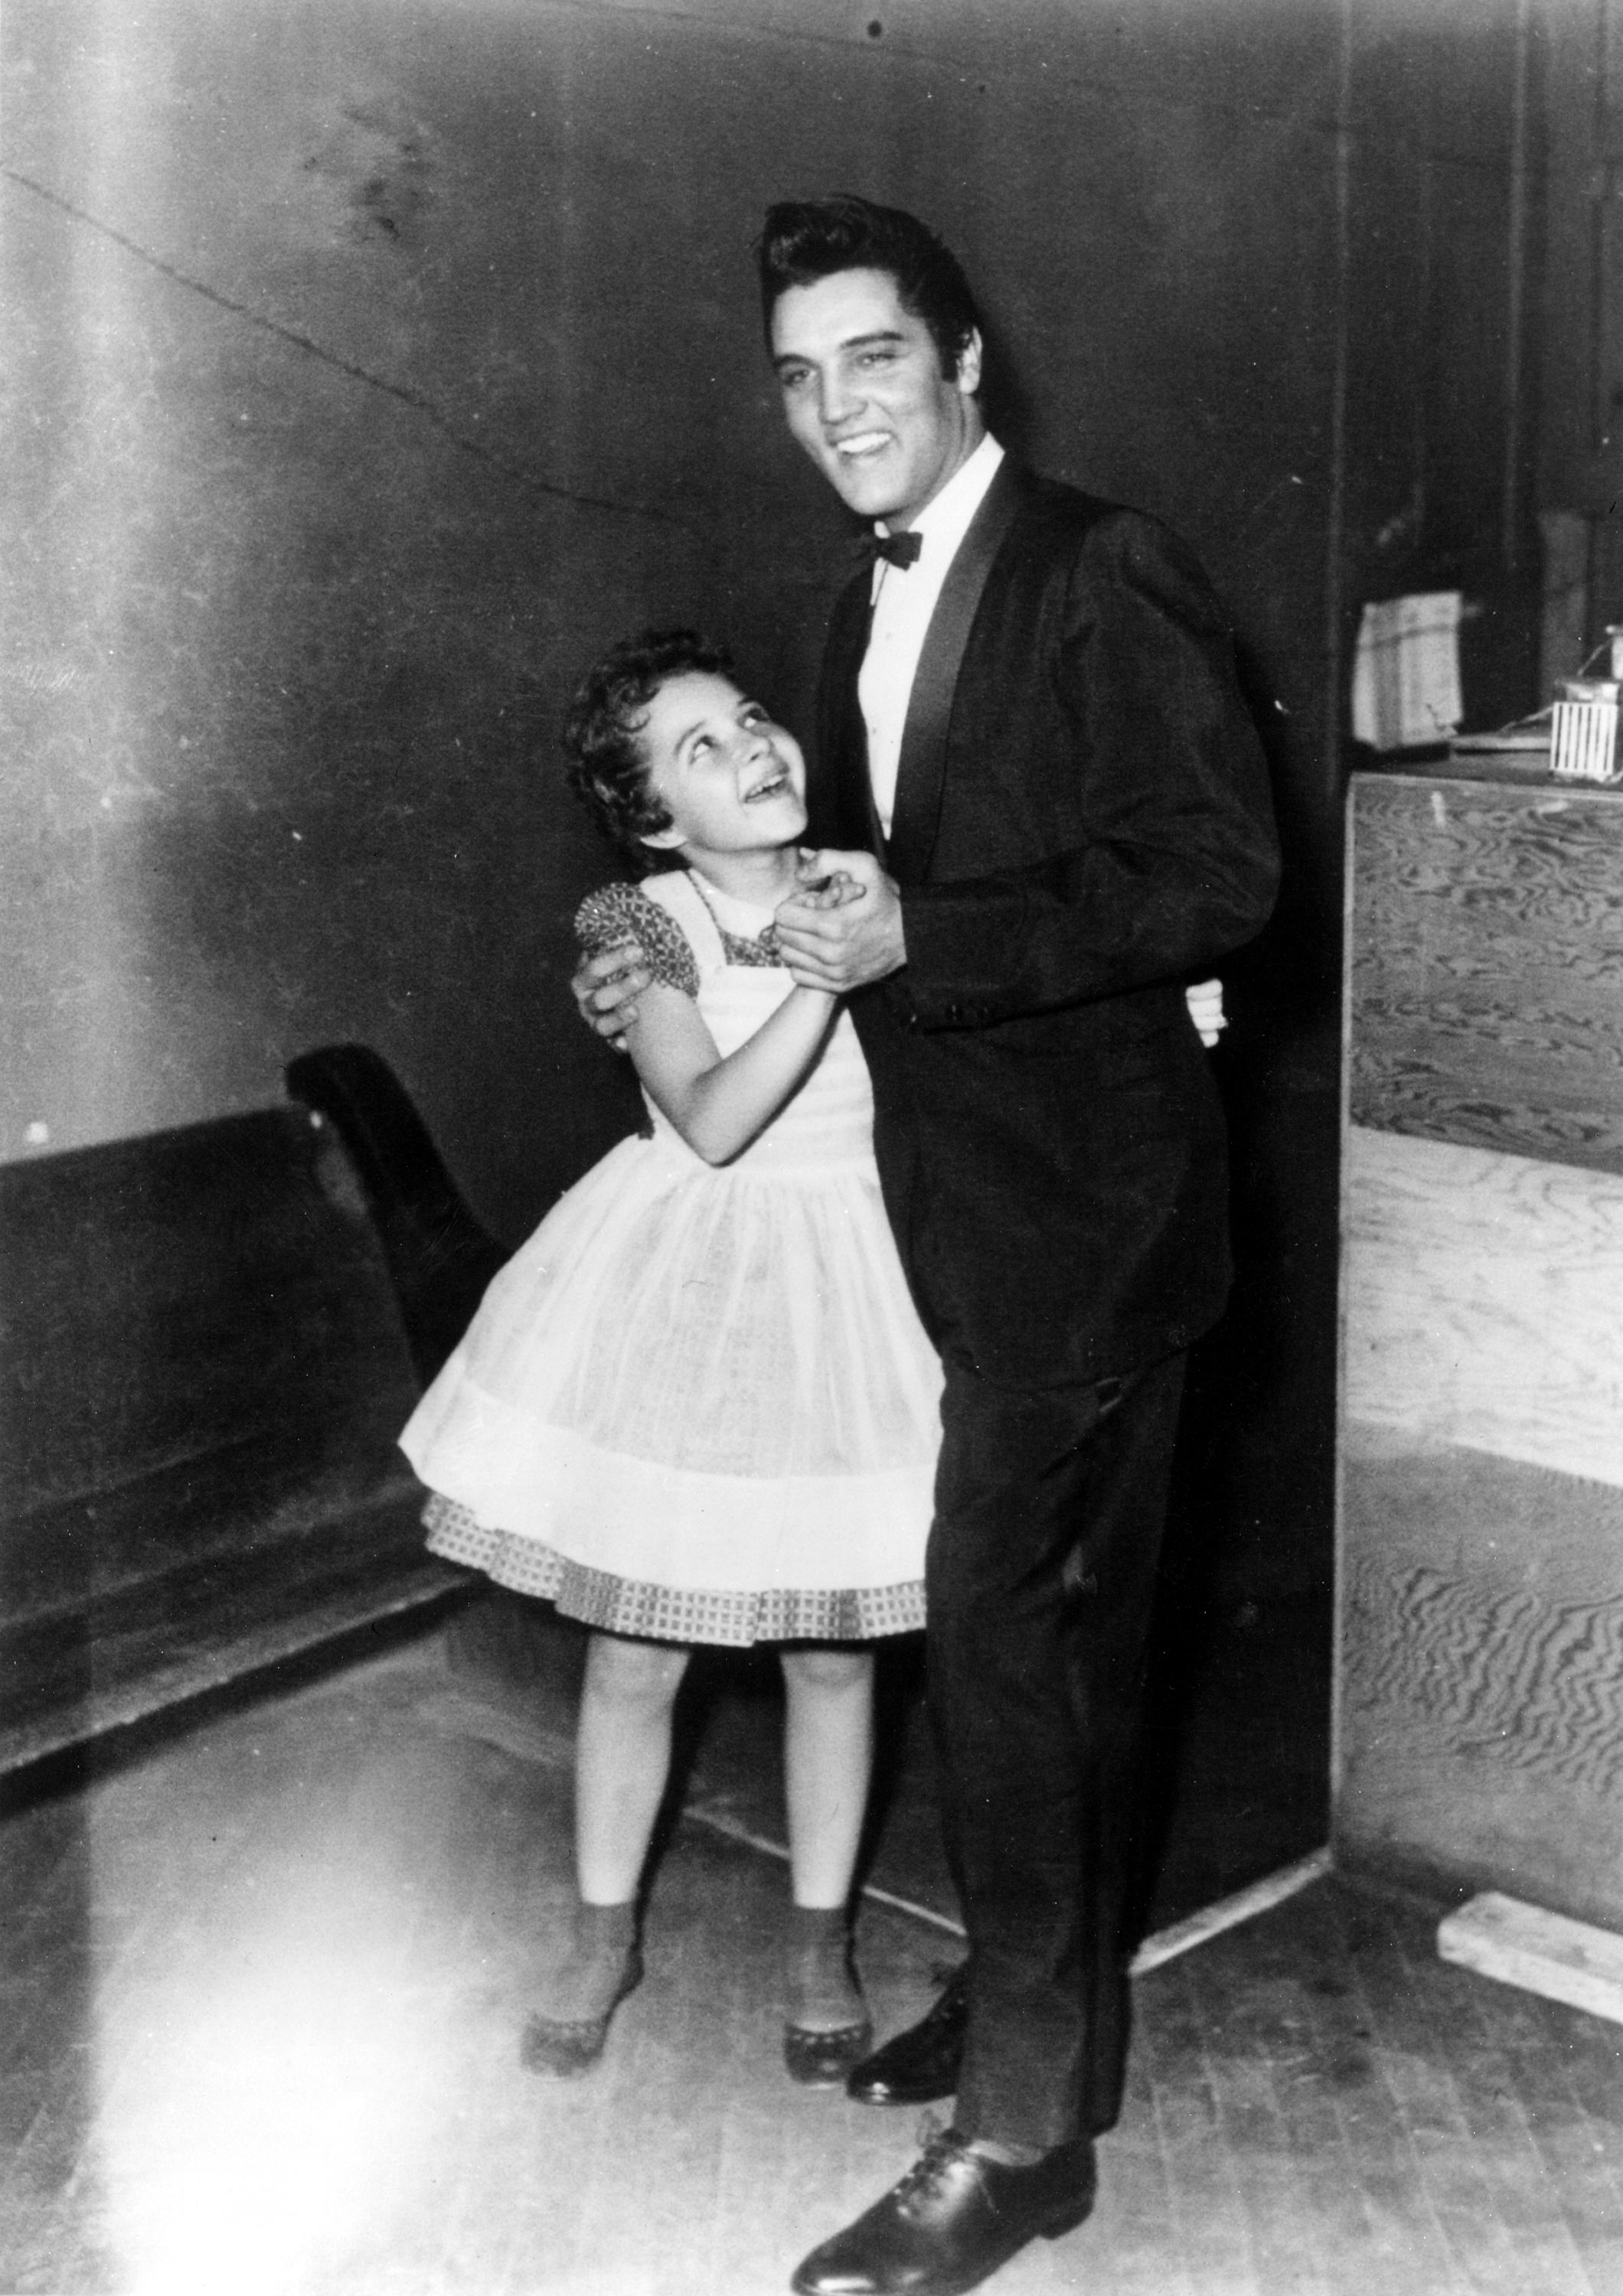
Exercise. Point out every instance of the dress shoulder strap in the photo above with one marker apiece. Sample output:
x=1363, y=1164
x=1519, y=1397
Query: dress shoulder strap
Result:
x=616, y=913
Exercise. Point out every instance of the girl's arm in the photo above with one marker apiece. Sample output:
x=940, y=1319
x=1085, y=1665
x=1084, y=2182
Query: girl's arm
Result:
x=719, y=1105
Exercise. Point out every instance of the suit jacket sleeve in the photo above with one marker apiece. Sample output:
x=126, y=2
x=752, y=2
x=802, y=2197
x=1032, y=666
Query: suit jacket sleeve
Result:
x=1175, y=864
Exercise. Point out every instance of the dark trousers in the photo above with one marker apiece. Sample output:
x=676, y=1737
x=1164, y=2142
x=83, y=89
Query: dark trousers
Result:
x=1050, y=1514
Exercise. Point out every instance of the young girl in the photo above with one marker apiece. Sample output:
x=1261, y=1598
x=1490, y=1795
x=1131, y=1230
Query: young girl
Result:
x=697, y=1407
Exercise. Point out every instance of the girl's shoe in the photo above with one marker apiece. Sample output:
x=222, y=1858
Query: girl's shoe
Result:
x=563, y=2047
x=818, y=2060
x=602, y=1964
x=827, y=2031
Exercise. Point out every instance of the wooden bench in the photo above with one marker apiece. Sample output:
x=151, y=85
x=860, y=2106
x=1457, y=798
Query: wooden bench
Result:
x=210, y=1340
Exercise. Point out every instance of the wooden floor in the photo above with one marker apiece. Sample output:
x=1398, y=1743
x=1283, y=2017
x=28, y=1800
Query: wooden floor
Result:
x=265, y=1974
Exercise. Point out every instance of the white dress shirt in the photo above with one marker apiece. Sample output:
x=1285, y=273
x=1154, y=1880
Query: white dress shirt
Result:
x=904, y=599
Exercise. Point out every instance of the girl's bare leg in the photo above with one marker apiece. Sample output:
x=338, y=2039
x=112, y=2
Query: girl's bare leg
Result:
x=622, y=1758
x=827, y=1757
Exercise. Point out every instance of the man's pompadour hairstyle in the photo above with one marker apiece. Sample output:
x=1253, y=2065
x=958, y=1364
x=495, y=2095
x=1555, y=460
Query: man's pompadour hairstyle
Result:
x=804, y=240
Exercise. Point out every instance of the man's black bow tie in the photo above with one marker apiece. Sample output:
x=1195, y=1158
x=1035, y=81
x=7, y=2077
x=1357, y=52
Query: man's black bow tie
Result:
x=897, y=549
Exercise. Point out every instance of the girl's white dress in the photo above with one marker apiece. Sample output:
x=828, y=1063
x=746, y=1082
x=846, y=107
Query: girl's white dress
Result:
x=698, y=1404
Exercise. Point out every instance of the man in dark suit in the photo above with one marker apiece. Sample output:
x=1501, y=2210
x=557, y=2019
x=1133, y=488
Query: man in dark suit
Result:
x=1043, y=808
x=1040, y=794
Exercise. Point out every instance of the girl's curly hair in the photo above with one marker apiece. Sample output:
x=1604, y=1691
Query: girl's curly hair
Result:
x=608, y=768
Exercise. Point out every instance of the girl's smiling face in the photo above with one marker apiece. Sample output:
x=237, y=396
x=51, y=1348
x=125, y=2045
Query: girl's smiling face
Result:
x=731, y=780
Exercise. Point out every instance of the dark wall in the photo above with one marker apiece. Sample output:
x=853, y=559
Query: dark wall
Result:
x=372, y=362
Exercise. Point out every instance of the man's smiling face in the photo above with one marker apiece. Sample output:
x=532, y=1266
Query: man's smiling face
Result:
x=865, y=396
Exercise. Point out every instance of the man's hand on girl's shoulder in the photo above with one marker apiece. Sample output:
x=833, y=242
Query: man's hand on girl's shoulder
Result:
x=606, y=989
x=1205, y=1002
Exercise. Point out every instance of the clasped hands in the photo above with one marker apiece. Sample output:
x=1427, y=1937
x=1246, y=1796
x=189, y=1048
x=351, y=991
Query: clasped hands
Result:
x=841, y=929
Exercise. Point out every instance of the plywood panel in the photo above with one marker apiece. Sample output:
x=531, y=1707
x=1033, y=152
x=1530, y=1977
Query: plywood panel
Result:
x=1482, y=1299
x=1481, y=1673
x=1488, y=967
x=1480, y=1613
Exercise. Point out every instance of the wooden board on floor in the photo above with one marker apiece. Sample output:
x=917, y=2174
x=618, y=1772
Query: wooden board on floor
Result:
x=1524, y=1945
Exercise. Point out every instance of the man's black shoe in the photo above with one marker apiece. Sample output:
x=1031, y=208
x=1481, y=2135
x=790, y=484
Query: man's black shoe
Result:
x=920, y=2065
x=951, y=2222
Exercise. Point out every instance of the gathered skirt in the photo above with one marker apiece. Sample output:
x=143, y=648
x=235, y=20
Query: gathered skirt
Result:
x=697, y=1404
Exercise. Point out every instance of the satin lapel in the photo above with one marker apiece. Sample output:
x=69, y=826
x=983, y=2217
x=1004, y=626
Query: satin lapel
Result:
x=921, y=773
x=856, y=822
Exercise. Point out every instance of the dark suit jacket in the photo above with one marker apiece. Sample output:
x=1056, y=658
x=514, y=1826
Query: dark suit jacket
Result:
x=1082, y=825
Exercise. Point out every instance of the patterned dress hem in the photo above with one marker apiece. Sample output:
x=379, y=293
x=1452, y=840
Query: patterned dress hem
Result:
x=722, y=1615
